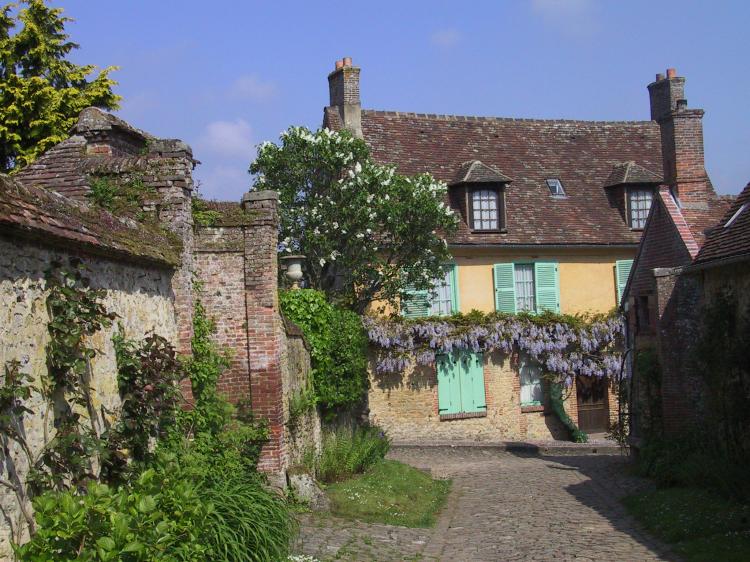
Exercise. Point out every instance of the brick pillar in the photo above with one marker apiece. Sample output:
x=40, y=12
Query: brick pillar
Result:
x=265, y=328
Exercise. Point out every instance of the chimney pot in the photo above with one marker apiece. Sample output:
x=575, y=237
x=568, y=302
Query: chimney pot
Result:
x=347, y=61
x=659, y=77
x=671, y=73
x=339, y=64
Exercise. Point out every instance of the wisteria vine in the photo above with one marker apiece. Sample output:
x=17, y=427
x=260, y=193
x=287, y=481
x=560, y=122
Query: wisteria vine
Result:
x=565, y=346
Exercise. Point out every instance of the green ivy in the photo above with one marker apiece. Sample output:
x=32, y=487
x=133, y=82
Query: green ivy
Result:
x=211, y=412
x=556, y=402
x=338, y=347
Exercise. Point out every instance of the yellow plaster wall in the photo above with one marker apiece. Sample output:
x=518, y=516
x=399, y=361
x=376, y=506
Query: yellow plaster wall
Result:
x=587, y=277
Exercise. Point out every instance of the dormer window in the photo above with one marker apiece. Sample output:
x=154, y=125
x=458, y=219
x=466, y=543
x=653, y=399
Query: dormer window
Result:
x=485, y=209
x=479, y=191
x=639, y=204
x=555, y=187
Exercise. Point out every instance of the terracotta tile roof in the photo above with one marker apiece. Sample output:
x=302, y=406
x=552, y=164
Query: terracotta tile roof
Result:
x=53, y=219
x=703, y=217
x=733, y=241
x=630, y=173
x=60, y=169
x=580, y=153
x=475, y=171
x=679, y=221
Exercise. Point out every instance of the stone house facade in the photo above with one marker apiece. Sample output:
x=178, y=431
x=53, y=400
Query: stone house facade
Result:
x=552, y=213
x=148, y=268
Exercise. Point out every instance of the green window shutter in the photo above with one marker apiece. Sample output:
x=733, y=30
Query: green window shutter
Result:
x=547, y=283
x=505, y=288
x=472, y=383
x=449, y=384
x=622, y=272
x=415, y=303
x=455, y=304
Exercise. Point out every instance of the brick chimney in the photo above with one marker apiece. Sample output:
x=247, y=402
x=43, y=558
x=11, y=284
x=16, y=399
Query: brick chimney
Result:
x=681, y=141
x=343, y=87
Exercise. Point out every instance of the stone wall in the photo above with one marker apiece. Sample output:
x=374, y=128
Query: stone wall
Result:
x=406, y=406
x=304, y=433
x=141, y=297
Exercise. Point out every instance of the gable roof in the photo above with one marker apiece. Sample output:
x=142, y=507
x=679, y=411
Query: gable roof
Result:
x=733, y=241
x=630, y=173
x=475, y=171
x=687, y=226
x=580, y=153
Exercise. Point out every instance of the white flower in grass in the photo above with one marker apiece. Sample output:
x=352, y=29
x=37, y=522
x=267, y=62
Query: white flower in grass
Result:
x=322, y=262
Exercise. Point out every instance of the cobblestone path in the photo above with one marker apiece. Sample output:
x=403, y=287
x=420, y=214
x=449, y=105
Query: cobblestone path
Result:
x=502, y=506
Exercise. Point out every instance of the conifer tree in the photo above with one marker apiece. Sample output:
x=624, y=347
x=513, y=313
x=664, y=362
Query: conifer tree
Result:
x=41, y=91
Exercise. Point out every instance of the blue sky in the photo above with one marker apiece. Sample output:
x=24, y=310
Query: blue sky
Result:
x=225, y=76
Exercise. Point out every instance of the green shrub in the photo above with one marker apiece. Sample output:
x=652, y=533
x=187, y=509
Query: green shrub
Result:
x=693, y=460
x=346, y=452
x=338, y=347
x=177, y=510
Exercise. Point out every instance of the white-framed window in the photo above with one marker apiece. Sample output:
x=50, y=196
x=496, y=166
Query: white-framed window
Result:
x=485, y=209
x=532, y=393
x=639, y=203
x=525, y=287
x=442, y=301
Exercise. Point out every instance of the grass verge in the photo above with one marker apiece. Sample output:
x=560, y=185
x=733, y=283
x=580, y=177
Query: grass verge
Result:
x=699, y=524
x=390, y=492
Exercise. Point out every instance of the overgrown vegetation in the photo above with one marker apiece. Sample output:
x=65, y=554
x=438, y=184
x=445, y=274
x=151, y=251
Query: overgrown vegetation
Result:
x=121, y=196
x=186, y=484
x=338, y=347
x=346, y=452
x=202, y=214
x=41, y=90
x=392, y=493
x=700, y=525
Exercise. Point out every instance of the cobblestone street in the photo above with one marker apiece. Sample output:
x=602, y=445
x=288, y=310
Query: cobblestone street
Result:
x=503, y=506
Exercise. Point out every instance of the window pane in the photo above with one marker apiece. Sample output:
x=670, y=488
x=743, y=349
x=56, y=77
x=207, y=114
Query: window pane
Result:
x=484, y=204
x=525, y=293
x=531, y=380
x=640, y=204
x=441, y=301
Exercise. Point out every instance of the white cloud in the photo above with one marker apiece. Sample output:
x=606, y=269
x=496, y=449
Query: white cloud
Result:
x=225, y=182
x=446, y=38
x=230, y=138
x=252, y=88
x=571, y=17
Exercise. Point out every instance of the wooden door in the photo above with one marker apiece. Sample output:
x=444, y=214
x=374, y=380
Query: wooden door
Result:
x=593, y=407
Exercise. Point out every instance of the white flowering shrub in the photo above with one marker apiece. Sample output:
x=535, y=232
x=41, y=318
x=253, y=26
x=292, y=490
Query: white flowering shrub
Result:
x=366, y=230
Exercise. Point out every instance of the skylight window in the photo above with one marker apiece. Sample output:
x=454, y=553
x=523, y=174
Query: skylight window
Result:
x=555, y=187
x=736, y=215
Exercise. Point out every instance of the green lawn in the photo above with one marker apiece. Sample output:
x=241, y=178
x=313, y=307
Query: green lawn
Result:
x=390, y=492
x=700, y=525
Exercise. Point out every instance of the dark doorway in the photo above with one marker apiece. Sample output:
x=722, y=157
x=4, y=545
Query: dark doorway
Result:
x=593, y=409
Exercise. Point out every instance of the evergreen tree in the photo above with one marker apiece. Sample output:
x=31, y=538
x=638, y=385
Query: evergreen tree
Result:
x=41, y=92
